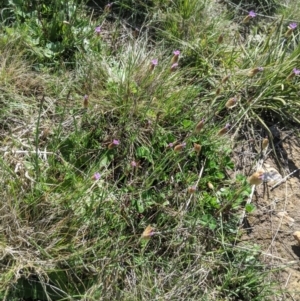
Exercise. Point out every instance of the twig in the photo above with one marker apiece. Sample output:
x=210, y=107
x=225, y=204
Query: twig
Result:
x=198, y=180
x=283, y=179
x=247, y=203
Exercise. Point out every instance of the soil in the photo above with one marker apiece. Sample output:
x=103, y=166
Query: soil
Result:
x=277, y=214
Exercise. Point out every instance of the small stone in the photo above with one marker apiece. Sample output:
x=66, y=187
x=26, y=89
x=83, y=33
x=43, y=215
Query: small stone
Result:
x=284, y=214
x=296, y=235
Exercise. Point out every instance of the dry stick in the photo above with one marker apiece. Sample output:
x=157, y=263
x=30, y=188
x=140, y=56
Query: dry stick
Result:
x=199, y=177
x=258, y=165
x=280, y=223
x=289, y=263
x=247, y=203
x=284, y=179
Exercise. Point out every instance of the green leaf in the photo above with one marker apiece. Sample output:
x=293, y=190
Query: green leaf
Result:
x=250, y=208
x=187, y=123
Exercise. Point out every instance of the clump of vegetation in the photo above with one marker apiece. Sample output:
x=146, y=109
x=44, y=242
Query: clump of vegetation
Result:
x=117, y=173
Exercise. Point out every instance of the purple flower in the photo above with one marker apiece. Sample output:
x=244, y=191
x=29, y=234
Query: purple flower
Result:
x=296, y=71
x=133, y=163
x=98, y=30
x=183, y=144
x=154, y=62
x=227, y=126
x=293, y=25
x=86, y=97
x=116, y=142
x=260, y=69
x=252, y=14
x=171, y=144
x=176, y=52
x=96, y=176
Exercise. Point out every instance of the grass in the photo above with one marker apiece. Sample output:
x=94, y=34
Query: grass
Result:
x=65, y=235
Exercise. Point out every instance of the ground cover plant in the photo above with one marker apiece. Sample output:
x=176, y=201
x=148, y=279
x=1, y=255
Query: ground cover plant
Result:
x=118, y=124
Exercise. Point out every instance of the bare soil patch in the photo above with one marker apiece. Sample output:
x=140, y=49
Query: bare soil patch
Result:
x=277, y=217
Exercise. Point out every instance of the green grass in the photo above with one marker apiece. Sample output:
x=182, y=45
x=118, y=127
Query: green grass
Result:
x=66, y=236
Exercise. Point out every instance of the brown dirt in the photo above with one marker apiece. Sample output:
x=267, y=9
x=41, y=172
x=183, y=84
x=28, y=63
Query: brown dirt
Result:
x=266, y=226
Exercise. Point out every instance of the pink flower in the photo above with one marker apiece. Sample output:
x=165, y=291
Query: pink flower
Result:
x=133, y=164
x=108, y=7
x=114, y=144
x=171, y=144
x=98, y=30
x=293, y=25
x=96, y=176
x=175, y=57
x=293, y=73
x=252, y=14
x=154, y=62
x=296, y=71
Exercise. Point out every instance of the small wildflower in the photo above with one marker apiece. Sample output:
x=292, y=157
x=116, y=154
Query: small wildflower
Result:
x=153, y=64
x=254, y=71
x=293, y=73
x=199, y=126
x=251, y=15
x=256, y=178
x=179, y=147
x=174, y=67
x=292, y=25
x=148, y=232
x=113, y=144
x=107, y=7
x=133, y=164
x=225, y=78
x=296, y=71
x=224, y=130
x=265, y=143
x=175, y=57
x=171, y=144
x=220, y=39
x=85, y=101
x=291, y=28
x=210, y=186
x=192, y=189
x=231, y=103
x=98, y=30
x=96, y=176
x=197, y=148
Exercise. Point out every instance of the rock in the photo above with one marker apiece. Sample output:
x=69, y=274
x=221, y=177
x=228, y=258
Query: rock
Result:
x=296, y=235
